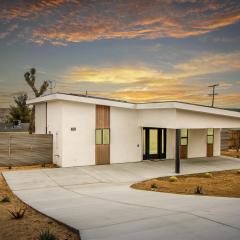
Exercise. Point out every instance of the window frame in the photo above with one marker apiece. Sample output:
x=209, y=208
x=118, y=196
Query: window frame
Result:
x=185, y=137
x=101, y=136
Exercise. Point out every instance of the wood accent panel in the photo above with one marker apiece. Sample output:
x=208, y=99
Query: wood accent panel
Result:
x=102, y=151
x=102, y=116
x=209, y=150
x=183, y=151
x=18, y=149
x=102, y=154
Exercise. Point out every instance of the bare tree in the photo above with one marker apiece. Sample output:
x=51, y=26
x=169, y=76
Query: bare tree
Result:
x=30, y=79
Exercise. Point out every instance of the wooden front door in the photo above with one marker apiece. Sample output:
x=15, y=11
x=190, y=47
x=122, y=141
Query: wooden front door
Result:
x=102, y=147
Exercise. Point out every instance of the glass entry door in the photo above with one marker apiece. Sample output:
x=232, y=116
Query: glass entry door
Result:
x=154, y=143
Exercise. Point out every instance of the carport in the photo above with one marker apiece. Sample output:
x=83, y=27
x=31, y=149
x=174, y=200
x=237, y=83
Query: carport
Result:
x=196, y=129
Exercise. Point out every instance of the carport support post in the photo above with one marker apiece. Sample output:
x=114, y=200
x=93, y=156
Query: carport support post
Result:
x=177, y=155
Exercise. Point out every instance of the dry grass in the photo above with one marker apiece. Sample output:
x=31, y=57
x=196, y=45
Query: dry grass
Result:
x=224, y=184
x=28, y=227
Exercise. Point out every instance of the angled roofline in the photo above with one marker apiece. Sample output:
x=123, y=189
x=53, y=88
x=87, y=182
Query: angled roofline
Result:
x=130, y=105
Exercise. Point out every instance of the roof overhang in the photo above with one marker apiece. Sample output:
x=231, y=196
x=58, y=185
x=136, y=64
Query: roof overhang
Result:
x=137, y=106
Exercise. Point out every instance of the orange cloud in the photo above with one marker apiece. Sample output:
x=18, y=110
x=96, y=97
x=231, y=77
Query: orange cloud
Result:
x=26, y=9
x=142, y=83
x=62, y=21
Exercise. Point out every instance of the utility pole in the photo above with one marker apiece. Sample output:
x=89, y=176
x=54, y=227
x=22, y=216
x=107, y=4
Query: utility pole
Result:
x=213, y=94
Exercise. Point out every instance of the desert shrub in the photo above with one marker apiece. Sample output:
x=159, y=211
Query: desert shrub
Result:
x=5, y=199
x=154, y=186
x=198, y=190
x=173, y=179
x=46, y=235
x=238, y=171
x=208, y=175
x=17, y=213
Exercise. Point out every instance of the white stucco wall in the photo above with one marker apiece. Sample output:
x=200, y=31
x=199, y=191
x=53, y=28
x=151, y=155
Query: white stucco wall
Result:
x=217, y=142
x=171, y=143
x=159, y=118
x=54, y=126
x=197, y=143
x=125, y=139
x=79, y=145
x=192, y=119
x=40, y=118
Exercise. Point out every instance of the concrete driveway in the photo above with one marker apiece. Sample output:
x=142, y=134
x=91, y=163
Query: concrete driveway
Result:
x=97, y=200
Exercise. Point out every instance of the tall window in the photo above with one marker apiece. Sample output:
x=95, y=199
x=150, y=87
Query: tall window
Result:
x=210, y=136
x=184, y=137
x=102, y=136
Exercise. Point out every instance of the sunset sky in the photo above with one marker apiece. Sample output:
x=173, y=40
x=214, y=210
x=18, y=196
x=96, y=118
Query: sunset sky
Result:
x=137, y=50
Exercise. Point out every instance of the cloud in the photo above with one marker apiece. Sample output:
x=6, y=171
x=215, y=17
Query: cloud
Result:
x=144, y=83
x=3, y=34
x=209, y=63
x=62, y=21
x=14, y=10
x=116, y=75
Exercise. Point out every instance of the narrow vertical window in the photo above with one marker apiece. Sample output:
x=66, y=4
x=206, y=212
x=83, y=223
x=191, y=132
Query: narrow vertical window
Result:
x=184, y=137
x=144, y=141
x=210, y=136
x=98, y=136
x=102, y=136
x=106, y=136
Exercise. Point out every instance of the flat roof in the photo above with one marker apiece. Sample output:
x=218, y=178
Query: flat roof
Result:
x=130, y=105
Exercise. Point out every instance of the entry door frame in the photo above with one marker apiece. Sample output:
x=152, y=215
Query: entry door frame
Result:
x=160, y=154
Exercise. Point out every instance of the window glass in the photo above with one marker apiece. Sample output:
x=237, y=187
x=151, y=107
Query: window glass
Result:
x=184, y=141
x=106, y=136
x=163, y=143
x=210, y=139
x=210, y=131
x=98, y=136
x=153, y=140
x=184, y=132
x=144, y=141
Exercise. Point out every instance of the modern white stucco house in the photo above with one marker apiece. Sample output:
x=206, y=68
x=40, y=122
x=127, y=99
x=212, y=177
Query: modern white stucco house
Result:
x=90, y=130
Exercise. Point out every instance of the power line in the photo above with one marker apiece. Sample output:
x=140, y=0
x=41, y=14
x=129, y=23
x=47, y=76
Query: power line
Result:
x=213, y=94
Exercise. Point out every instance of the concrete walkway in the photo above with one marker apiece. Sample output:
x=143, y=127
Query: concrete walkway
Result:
x=97, y=200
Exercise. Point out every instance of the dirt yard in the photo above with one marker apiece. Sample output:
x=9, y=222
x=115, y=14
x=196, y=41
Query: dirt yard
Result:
x=29, y=227
x=231, y=153
x=224, y=184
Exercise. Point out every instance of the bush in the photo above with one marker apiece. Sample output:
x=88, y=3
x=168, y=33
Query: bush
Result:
x=154, y=186
x=17, y=213
x=208, y=175
x=173, y=179
x=198, y=190
x=5, y=199
x=46, y=235
x=238, y=171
